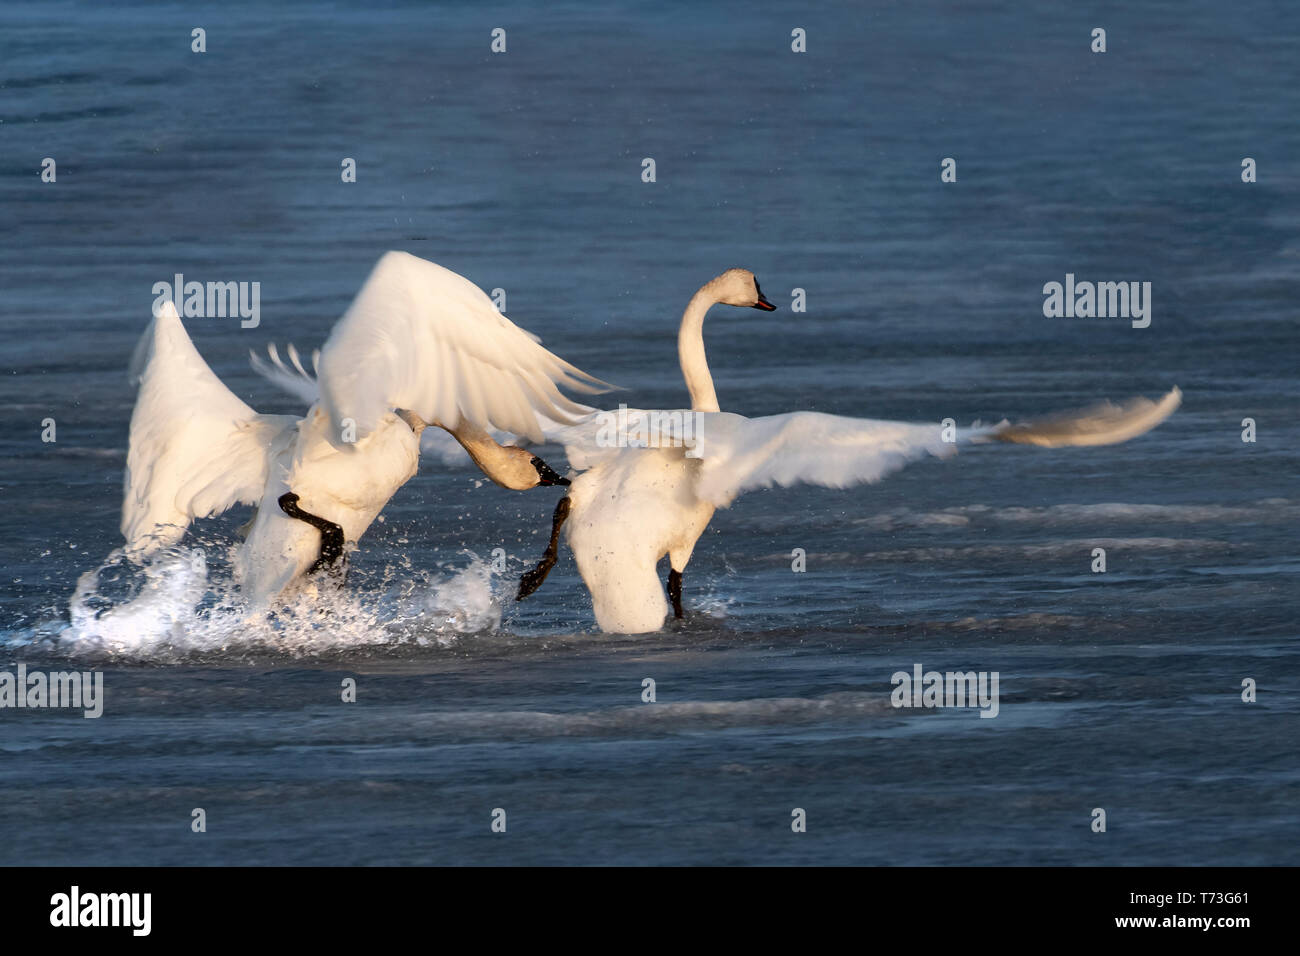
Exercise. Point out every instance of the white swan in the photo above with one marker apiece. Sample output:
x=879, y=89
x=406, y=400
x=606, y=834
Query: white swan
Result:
x=633, y=505
x=419, y=344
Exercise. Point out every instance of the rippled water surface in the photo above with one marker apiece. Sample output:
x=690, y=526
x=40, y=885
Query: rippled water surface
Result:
x=819, y=172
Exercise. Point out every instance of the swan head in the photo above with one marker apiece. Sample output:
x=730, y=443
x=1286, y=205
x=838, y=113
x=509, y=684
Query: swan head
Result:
x=739, y=287
x=520, y=470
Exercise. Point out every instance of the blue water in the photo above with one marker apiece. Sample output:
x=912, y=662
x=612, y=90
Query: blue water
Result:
x=818, y=171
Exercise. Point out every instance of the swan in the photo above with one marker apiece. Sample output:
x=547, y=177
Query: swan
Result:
x=651, y=480
x=419, y=345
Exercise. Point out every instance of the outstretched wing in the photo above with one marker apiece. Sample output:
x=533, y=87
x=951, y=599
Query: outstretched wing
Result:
x=195, y=448
x=423, y=338
x=295, y=380
x=738, y=454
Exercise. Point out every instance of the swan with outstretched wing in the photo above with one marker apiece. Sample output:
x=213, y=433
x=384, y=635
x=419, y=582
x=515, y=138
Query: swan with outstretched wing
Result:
x=651, y=480
x=419, y=345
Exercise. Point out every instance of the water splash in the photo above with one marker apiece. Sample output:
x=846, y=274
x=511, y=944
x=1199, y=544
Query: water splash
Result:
x=183, y=604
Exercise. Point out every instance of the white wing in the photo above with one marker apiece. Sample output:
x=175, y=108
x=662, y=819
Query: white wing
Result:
x=195, y=448
x=297, y=381
x=738, y=454
x=421, y=337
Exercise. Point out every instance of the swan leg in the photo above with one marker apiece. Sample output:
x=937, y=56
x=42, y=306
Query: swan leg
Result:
x=331, y=535
x=675, y=591
x=530, y=581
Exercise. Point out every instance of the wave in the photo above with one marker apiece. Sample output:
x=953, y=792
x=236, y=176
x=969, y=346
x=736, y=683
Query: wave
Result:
x=669, y=716
x=1265, y=510
x=1055, y=549
x=636, y=718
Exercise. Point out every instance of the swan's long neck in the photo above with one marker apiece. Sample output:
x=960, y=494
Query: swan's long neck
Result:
x=507, y=466
x=690, y=351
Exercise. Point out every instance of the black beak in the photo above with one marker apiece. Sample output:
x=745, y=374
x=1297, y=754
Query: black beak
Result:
x=763, y=304
x=547, y=474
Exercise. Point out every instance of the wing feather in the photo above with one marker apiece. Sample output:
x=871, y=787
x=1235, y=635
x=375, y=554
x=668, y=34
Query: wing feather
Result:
x=738, y=454
x=195, y=448
x=414, y=328
x=295, y=381
x=1102, y=424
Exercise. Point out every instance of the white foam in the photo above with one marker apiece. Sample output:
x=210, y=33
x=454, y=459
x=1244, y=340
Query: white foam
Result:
x=180, y=608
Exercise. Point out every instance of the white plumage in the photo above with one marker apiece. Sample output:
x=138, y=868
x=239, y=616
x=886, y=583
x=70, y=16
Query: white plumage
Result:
x=421, y=337
x=417, y=338
x=196, y=449
x=633, y=505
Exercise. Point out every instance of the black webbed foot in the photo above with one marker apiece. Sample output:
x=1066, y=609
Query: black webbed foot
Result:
x=331, y=534
x=531, y=580
x=675, y=591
